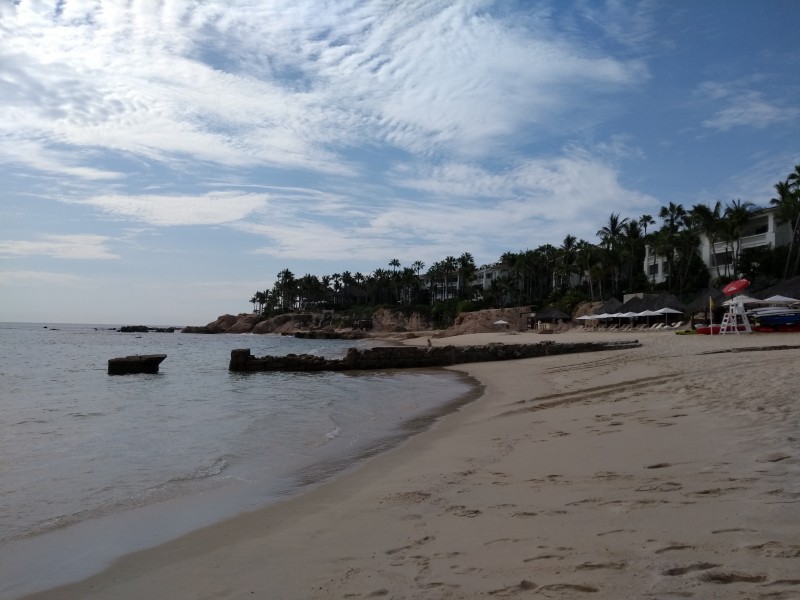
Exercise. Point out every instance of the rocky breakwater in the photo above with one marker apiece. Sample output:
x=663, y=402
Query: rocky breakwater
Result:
x=409, y=357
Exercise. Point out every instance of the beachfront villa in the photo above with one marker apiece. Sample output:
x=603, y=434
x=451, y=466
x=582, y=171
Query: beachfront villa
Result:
x=762, y=230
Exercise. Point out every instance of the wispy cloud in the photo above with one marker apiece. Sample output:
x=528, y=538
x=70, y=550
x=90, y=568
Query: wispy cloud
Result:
x=213, y=208
x=282, y=85
x=25, y=278
x=743, y=107
x=74, y=247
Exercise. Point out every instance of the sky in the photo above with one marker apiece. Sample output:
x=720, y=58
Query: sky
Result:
x=163, y=160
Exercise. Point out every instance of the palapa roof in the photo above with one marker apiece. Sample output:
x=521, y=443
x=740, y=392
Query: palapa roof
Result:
x=788, y=287
x=652, y=302
x=550, y=313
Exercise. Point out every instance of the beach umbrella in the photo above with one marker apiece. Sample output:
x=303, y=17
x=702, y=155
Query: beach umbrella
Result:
x=743, y=300
x=666, y=311
x=648, y=314
x=630, y=315
x=780, y=299
x=734, y=287
x=501, y=323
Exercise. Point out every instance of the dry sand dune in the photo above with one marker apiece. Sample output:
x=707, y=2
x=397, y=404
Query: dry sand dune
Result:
x=664, y=471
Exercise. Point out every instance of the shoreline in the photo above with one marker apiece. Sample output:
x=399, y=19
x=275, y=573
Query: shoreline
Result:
x=601, y=473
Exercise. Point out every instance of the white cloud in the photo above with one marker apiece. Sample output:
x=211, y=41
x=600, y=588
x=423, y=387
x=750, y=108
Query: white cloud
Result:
x=281, y=84
x=213, y=208
x=75, y=247
x=743, y=107
x=466, y=207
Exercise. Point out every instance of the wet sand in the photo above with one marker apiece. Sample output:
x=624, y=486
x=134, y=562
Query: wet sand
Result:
x=663, y=471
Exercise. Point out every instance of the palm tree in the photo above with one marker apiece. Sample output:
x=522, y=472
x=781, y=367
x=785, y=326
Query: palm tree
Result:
x=707, y=222
x=435, y=273
x=673, y=216
x=567, y=257
x=611, y=233
x=449, y=266
x=587, y=259
x=634, y=250
x=285, y=287
x=610, y=236
x=737, y=214
x=788, y=205
x=466, y=273
x=644, y=221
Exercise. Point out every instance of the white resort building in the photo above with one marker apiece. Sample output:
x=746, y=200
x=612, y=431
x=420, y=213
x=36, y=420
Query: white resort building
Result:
x=763, y=229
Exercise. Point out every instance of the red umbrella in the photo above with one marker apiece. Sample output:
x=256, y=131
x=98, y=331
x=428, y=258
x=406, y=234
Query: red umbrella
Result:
x=735, y=287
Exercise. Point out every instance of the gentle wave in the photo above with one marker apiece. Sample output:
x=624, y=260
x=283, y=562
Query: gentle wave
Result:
x=204, y=472
x=332, y=435
x=156, y=493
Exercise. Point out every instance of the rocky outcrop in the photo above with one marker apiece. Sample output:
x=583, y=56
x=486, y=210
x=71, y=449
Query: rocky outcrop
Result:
x=483, y=321
x=145, y=329
x=384, y=320
x=405, y=357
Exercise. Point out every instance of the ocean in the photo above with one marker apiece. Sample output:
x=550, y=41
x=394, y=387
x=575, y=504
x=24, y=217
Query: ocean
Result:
x=94, y=466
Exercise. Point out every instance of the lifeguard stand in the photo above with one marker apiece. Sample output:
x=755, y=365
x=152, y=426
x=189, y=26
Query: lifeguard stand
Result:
x=735, y=316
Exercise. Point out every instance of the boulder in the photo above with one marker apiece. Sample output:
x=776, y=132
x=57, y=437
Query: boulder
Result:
x=139, y=363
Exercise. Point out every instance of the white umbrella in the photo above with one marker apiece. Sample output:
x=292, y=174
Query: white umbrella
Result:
x=781, y=299
x=743, y=300
x=500, y=322
x=648, y=314
x=666, y=311
x=585, y=318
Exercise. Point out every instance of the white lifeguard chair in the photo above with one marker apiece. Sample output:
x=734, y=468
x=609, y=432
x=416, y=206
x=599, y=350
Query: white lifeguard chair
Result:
x=736, y=314
x=735, y=317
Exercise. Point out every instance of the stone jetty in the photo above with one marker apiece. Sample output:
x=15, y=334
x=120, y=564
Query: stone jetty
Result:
x=413, y=357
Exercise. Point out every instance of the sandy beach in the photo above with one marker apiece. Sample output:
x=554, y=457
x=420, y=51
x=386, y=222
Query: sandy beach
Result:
x=666, y=471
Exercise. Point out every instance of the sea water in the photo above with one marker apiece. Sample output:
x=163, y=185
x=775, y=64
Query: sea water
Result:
x=94, y=466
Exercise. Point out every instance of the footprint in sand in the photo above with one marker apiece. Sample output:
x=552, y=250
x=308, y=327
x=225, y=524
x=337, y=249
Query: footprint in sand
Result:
x=673, y=547
x=658, y=466
x=726, y=577
x=776, y=550
x=773, y=457
x=568, y=587
x=701, y=566
x=414, y=544
x=512, y=590
x=400, y=498
x=545, y=557
x=463, y=511
x=713, y=493
x=665, y=486
x=590, y=566
x=614, y=531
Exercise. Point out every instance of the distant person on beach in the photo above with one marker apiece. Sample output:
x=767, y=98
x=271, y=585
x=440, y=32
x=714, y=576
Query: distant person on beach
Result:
x=429, y=342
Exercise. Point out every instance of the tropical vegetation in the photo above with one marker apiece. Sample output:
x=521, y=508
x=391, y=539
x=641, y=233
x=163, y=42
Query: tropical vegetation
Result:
x=577, y=270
